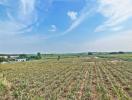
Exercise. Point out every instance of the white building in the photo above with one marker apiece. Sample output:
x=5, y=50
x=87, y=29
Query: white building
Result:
x=14, y=56
x=4, y=57
x=8, y=56
x=21, y=60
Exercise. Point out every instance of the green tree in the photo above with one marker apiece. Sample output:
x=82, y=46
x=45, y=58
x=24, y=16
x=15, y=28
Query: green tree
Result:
x=2, y=59
x=39, y=55
x=90, y=53
x=22, y=56
x=58, y=58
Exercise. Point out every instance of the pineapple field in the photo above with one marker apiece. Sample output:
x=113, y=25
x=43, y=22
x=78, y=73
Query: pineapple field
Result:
x=82, y=78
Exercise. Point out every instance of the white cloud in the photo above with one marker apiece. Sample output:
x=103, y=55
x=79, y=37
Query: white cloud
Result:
x=27, y=6
x=86, y=11
x=27, y=13
x=115, y=11
x=79, y=21
x=53, y=28
x=21, y=14
x=72, y=15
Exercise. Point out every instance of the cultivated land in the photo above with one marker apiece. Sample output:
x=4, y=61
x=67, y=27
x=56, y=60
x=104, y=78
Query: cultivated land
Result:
x=80, y=78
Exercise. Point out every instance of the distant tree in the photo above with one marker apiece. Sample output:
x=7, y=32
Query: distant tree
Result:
x=22, y=56
x=90, y=53
x=9, y=57
x=78, y=56
x=121, y=52
x=39, y=55
x=58, y=58
x=33, y=57
x=113, y=53
x=2, y=59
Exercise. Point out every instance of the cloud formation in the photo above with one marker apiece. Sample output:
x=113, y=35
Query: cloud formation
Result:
x=24, y=22
x=72, y=15
x=115, y=11
x=27, y=6
x=86, y=12
x=20, y=14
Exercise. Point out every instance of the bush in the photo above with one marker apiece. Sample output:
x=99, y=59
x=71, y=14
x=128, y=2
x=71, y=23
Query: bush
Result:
x=2, y=60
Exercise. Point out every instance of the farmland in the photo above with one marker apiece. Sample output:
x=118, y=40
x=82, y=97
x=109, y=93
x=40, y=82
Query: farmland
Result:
x=80, y=78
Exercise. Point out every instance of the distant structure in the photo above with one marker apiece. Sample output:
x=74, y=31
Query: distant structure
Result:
x=9, y=56
x=5, y=58
x=2, y=56
x=21, y=60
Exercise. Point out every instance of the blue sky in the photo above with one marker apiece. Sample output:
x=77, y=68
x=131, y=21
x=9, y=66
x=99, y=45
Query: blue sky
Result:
x=61, y=26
